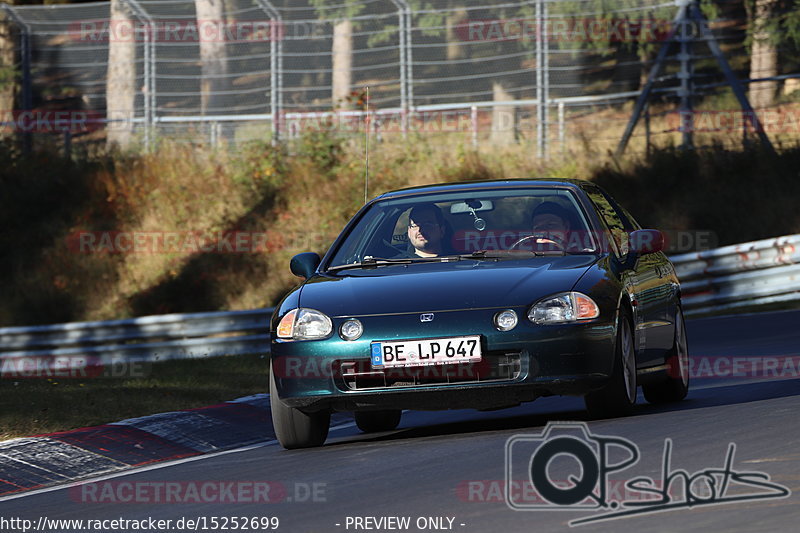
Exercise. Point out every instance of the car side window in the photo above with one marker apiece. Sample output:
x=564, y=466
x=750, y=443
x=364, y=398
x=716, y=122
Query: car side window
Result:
x=618, y=225
x=627, y=220
x=400, y=233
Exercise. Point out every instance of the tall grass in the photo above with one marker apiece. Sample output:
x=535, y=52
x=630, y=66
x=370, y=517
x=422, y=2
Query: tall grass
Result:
x=43, y=405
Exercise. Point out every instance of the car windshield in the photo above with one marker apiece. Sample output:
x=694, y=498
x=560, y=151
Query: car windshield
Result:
x=500, y=223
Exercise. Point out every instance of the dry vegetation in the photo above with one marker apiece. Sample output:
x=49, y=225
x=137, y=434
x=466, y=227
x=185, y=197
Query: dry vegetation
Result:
x=300, y=196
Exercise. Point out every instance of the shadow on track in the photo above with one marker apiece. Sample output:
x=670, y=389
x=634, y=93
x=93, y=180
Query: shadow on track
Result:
x=701, y=398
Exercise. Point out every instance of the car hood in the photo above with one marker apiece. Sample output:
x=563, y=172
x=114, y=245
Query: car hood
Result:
x=465, y=284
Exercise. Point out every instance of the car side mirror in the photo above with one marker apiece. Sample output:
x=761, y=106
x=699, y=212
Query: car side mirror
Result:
x=646, y=241
x=305, y=264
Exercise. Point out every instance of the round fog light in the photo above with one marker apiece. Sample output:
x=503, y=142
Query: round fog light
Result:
x=351, y=329
x=505, y=320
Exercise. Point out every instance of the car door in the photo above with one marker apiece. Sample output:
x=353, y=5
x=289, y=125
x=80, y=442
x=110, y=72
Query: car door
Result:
x=659, y=290
x=643, y=282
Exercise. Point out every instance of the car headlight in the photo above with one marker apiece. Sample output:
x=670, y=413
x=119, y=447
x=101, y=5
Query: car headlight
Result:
x=351, y=329
x=565, y=307
x=505, y=320
x=304, y=324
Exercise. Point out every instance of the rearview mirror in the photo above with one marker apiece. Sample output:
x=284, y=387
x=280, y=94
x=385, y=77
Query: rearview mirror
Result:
x=470, y=205
x=647, y=241
x=305, y=264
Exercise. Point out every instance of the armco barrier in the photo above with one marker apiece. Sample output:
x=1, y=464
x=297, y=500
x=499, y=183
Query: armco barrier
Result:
x=741, y=275
x=149, y=338
x=748, y=274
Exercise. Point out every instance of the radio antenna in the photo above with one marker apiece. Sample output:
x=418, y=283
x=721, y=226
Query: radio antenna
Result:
x=366, y=149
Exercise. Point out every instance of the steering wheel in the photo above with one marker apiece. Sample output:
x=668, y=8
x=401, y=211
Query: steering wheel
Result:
x=542, y=240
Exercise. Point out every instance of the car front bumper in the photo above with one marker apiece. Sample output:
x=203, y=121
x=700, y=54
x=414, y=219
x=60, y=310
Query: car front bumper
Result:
x=518, y=365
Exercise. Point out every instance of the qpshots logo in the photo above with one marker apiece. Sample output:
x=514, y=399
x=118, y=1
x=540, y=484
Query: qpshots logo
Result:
x=590, y=460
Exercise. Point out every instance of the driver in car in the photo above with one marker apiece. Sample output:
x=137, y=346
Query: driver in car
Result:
x=551, y=224
x=426, y=232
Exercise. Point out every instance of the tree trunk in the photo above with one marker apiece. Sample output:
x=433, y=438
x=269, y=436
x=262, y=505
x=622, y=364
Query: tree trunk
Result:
x=455, y=50
x=213, y=57
x=342, y=62
x=9, y=82
x=121, y=77
x=504, y=118
x=763, y=57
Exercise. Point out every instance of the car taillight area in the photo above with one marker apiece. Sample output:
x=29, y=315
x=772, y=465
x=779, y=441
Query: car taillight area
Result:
x=361, y=375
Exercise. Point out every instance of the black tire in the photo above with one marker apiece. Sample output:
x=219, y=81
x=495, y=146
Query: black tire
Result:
x=294, y=428
x=618, y=396
x=676, y=386
x=374, y=421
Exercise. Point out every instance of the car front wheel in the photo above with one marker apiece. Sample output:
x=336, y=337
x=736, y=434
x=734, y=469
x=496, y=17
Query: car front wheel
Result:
x=676, y=386
x=374, y=421
x=618, y=396
x=293, y=427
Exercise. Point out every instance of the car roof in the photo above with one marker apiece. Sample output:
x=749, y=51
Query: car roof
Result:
x=574, y=184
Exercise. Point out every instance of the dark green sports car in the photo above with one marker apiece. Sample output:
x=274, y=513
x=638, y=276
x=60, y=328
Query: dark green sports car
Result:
x=477, y=295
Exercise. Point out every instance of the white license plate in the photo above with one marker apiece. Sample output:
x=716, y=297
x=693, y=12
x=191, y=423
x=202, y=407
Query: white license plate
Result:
x=425, y=352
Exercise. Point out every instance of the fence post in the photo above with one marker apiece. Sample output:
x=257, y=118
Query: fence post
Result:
x=473, y=116
x=546, y=77
x=540, y=96
x=685, y=92
x=275, y=67
x=409, y=62
x=402, y=21
x=562, y=133
x=149, y=71
x=26, y=95
x=213, y=133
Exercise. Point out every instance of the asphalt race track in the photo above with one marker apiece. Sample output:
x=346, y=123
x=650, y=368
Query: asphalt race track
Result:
x=447, y=470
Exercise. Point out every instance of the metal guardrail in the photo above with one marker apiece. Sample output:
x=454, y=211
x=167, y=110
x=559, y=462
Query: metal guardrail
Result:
x=145, y=339
x=741, y=275
x=748, y=274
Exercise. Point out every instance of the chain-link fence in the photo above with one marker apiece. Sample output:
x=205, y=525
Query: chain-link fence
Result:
x=552, y=73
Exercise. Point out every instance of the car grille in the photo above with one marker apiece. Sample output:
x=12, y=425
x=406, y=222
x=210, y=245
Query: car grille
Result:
x=359, y=375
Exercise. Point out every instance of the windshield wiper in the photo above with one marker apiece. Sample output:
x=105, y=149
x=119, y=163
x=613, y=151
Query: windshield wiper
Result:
x=497, y=254
x=372, y=262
